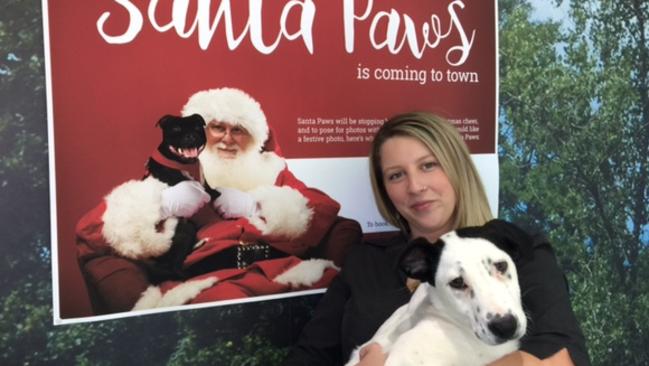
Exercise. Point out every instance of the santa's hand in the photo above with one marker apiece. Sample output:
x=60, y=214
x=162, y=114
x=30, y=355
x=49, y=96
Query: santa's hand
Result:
x=233, y=203
x=183, y=200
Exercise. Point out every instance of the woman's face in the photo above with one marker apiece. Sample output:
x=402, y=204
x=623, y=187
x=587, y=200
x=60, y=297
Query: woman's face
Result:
x=417, y=186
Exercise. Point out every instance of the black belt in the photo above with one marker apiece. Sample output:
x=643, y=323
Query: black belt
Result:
x=237, y=256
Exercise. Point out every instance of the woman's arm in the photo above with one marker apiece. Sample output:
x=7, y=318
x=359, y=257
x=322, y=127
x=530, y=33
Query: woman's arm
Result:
x=552, y=325
x=320, y=340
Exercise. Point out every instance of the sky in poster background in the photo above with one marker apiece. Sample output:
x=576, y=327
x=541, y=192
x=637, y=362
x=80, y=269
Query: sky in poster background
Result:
x=327, y=74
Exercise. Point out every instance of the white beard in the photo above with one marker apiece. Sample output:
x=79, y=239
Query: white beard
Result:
x=245, y=172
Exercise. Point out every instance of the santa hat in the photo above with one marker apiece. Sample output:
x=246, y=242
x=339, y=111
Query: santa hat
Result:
x=232, y=106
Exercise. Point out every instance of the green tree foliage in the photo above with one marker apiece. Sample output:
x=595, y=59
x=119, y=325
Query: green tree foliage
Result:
x=23, y=151
x=575, y=158
x=255, y=334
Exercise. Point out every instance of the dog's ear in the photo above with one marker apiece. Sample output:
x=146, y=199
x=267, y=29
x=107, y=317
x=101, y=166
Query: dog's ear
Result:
x=509, y=238
x=164, y=120
x=197, y=117
x=420, y=259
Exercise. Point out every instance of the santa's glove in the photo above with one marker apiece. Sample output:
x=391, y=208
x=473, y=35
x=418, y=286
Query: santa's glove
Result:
x=233, y=203
x=183, y=200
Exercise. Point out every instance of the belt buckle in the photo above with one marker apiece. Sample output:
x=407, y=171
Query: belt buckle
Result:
x=250, y=252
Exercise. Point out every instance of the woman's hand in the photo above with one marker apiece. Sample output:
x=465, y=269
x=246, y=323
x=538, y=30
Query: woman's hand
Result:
x=372, y=355
x=561, y=358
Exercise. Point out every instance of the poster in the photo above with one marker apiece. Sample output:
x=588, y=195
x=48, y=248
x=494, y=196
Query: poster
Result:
x=327, y=74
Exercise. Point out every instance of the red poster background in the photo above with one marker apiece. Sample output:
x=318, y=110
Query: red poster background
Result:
x=106, y=97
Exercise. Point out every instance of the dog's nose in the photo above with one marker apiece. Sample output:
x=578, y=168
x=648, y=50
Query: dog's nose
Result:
x=190, y=139
x=503, y=327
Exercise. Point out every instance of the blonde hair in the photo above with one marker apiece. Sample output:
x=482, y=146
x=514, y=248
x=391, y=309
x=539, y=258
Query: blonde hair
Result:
x=446, y=144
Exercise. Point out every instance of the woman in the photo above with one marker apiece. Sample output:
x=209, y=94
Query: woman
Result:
x=425, y=184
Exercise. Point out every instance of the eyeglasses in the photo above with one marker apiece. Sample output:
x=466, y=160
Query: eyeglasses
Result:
x=222, y=129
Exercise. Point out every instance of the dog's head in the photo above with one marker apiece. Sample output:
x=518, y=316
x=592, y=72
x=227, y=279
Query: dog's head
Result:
x=183, y=138
x=472, y=279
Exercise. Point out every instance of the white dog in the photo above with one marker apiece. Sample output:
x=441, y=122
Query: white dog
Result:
x=466, y=311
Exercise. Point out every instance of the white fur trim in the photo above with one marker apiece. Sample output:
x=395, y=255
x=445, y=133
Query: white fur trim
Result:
x=232, y=106
x=132, y=213
x=246, y=172
x=282, y=211
x=186, y=291
x=179, y=295
x=305, y=273
x=149, y=298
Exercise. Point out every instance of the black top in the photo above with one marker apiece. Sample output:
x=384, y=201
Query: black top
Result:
x=370, y=287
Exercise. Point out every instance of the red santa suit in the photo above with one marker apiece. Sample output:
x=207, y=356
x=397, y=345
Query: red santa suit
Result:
x=127, y=227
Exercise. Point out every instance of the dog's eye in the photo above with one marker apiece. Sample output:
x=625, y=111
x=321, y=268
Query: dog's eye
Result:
x=176, y=129
x=458, y=283
x=501, y=266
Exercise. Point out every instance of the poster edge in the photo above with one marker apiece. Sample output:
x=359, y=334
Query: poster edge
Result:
x=189, y=307
x=51, y=162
